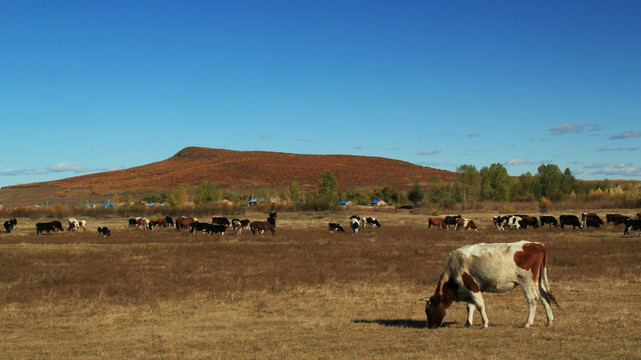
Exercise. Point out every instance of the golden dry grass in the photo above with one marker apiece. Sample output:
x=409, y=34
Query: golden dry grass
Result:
x=303, y=293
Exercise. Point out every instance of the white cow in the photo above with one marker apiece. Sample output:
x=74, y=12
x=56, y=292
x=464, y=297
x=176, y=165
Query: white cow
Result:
x=472, y=269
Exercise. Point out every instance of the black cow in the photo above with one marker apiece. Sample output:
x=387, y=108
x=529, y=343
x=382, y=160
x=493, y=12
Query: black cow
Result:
x=593, y=221
x=245, y=223
x=371, y=221
x=529, y=221
x=451, y=220
x=10, y=224
x=632, y=224
x=570, y=220
x=133, y=222
x=548, y=219
x=104, y=231
x=208, y=228
x=335, y=226
x=619, y=219
x=48, y=227
x=220, y=221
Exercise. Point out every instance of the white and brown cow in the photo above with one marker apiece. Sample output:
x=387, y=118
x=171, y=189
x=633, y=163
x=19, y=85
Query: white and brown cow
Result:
x=463, y=223
x=473, y=269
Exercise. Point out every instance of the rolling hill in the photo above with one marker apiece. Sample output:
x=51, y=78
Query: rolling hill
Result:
x=237, y=171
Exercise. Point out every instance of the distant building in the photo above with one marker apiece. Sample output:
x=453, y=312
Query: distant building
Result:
x=345, y=203
x=378, y=203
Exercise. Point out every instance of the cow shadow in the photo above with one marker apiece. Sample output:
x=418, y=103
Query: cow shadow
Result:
x=404, y=323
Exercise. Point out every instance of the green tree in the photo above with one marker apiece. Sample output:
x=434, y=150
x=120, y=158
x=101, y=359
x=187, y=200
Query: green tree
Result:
x=263, y=192
x=470, y=188
x=205, y=193
x=328, y=187
x=176, y=196
x=415, y=195
x=495, y=183
x=294, y=191
x=550, y=179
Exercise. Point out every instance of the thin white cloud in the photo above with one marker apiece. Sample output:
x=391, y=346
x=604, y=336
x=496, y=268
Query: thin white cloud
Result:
x=517, y=162
x=359, y=147
x=596, y=166
x=19, y=172
x=619, y=149
x=570, y=127
x=429, y=152
x=626, y=135
x=305, y=140
x=265, y=137
x=67, y=167
x=619, y=170
x=473, y=135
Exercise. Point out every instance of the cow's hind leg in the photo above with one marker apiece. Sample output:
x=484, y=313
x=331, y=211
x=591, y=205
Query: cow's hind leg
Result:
x=470, y=314
x=477, y=300
x=531, y=295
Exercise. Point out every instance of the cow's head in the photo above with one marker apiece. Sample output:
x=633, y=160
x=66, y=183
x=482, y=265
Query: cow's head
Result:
x=435, y=311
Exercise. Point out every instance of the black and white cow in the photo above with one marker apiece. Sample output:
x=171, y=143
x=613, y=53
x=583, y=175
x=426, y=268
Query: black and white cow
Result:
x=355, y=223
x=632, y=224
x=10, y=224
x=104, y=231
x=371, y=221
x=451, y=220
x=500, y=221
x=570, y=220
x=335, y=227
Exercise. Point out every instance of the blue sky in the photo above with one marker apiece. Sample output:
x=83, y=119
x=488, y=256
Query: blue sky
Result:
x=91, y=86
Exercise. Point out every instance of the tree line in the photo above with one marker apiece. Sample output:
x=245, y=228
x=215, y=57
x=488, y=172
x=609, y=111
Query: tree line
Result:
x=468, y=186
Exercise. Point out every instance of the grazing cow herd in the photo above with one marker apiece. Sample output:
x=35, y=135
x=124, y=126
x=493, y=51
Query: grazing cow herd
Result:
x=467, y=271
x=220, y=224
x=356, y=224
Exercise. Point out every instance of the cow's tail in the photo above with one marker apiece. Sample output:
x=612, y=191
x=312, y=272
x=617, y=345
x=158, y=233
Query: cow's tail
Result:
x=543, y=281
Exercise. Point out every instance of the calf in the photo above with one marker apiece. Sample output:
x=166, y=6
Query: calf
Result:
x=104, y=231
x=570, y=220
x=472, y=269
x=335, y=226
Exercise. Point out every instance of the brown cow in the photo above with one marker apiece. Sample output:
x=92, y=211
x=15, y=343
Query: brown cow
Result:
x=184, y=222
x=261, y=226
x=436, y=221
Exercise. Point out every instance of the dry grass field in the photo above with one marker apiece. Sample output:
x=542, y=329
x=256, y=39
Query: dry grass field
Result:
x=304, y=293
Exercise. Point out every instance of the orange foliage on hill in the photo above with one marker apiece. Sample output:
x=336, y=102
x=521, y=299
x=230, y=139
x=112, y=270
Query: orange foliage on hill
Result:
x=248, y=169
